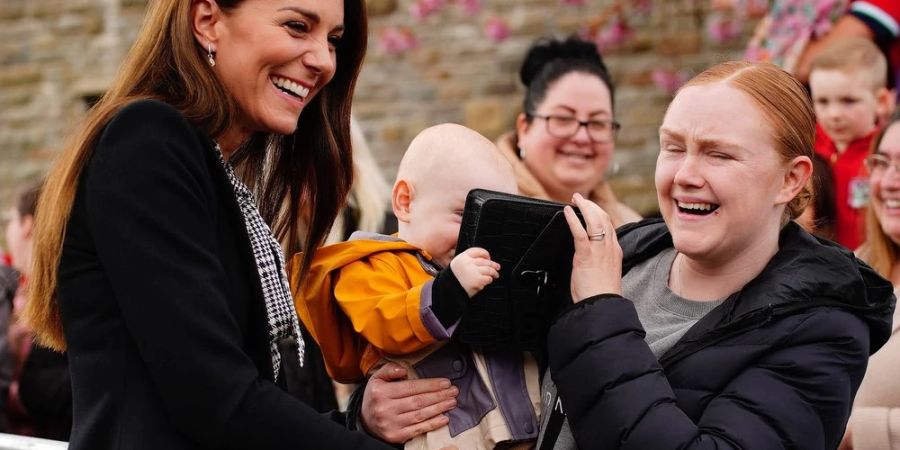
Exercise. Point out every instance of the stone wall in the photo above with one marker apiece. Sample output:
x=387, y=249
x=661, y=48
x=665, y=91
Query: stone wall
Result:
x=55, y=55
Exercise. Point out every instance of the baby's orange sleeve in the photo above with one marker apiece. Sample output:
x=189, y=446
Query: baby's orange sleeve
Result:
x=381, y=295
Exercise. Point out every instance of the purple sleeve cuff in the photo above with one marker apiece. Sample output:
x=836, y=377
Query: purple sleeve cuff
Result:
x=429, y=319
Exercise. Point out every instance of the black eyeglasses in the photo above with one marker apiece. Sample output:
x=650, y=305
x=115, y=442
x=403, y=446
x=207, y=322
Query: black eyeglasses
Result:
x=564, y=127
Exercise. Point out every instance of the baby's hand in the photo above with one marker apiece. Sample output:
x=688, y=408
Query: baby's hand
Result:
x=474, y=269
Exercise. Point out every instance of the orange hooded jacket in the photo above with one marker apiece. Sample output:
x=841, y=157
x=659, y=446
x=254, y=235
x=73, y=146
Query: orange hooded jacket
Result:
x=362, y=292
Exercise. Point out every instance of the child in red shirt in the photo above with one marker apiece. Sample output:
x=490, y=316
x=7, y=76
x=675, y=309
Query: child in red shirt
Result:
x=849, y=89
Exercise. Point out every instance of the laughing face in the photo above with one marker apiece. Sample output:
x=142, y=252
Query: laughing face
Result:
x=885, y=183
x=564, y=166
x=274, y=56
x=719, y=181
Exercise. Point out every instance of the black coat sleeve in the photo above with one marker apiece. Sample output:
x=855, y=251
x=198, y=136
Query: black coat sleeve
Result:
x=45, y=390
x=150, y=202
x=616, y=395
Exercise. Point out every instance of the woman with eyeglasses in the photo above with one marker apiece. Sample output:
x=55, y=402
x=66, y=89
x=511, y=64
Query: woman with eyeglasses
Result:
x=565, y=136
x=875, y=421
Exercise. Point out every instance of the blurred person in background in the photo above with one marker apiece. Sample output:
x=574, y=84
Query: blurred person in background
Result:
x=366, y=210
x=793, y=32
x=9, y=286
x=368, y=205
x=819, y=217
x=40, y=394
x=875, y=420
x=565, y=136
x=875, y=20
x=849, y=96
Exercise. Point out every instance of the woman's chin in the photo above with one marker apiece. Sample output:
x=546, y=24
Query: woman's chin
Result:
x=580, y=182
x=892, y=231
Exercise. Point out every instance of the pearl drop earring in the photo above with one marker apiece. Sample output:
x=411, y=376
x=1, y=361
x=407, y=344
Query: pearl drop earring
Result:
x=209, y=55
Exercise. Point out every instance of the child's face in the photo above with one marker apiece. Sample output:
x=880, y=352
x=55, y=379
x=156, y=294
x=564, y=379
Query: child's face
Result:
x=846, y=105
x=435, y=211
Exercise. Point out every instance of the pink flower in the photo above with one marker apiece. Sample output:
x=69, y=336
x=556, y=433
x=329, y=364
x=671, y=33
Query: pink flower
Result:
x=669, y=80
x=417, y=11
x=613, y=34
x=721, y=29
x=433, y=6
x=470, y=7
x=496, y=29
x=422, y=9
x=393, y=40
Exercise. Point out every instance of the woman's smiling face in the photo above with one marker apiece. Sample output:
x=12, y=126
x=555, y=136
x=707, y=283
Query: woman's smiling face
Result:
x=885, y=184
x=274, y=56
x=719, y=180
x=576, y=163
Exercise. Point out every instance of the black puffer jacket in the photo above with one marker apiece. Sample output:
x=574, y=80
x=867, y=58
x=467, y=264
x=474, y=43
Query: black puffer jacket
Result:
x=775, y=366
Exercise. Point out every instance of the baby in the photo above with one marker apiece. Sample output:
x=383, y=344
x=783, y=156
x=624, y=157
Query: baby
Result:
x=378, y=298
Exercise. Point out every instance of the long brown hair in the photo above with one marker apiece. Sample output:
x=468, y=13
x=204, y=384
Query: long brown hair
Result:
x=784, y=102
x=879, y=251
x=302, y=176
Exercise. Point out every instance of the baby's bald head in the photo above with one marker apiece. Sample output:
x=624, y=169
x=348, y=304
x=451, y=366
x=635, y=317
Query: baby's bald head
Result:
x=442, y=164
x=446, y=151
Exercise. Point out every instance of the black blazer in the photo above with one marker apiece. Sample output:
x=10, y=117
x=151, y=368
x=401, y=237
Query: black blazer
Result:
x=161, y=303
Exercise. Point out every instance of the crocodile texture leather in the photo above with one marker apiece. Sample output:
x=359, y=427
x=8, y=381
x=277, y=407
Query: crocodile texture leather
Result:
x=531, y=241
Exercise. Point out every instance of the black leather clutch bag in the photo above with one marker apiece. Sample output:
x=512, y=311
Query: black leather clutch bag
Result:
x=532, y=242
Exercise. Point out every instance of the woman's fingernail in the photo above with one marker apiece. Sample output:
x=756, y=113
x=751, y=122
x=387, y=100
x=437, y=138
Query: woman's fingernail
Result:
x=454, y=391
x=445, y=384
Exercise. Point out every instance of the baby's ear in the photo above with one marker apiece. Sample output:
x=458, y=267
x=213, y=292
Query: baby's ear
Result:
x=401, y=198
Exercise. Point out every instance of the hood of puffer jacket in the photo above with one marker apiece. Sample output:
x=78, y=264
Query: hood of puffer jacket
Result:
x=806, y=272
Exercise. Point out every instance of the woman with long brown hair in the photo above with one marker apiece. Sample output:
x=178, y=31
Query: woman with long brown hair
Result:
x=155, y=266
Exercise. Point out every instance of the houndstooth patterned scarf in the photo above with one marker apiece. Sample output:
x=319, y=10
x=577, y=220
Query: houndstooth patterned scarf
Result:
x=280, y=312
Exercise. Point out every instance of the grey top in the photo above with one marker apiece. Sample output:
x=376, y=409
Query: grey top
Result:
x=665, y=316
